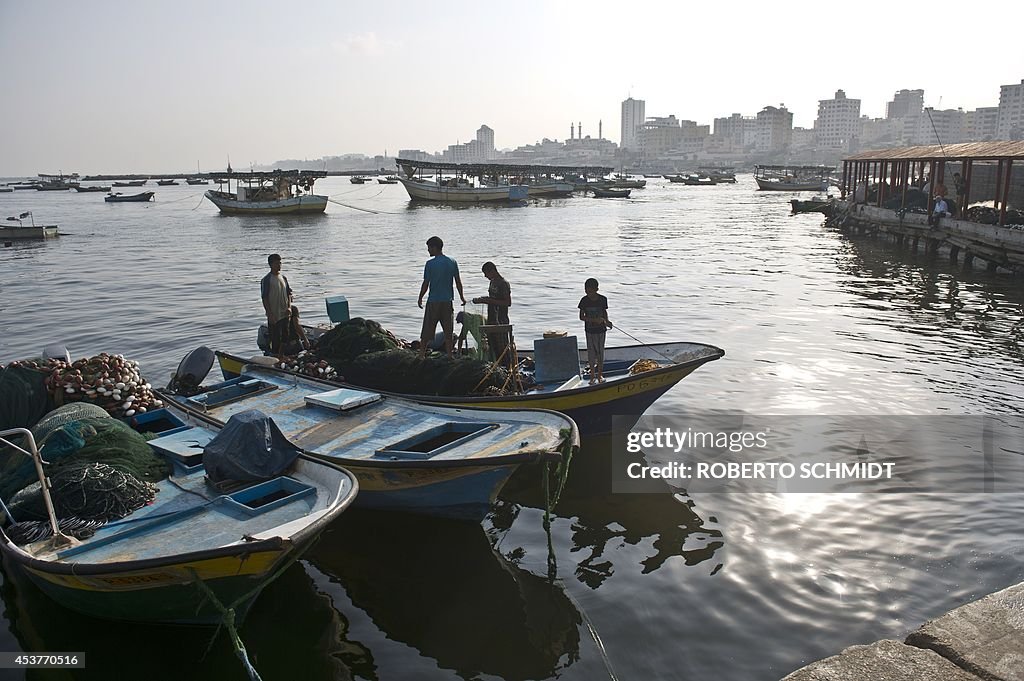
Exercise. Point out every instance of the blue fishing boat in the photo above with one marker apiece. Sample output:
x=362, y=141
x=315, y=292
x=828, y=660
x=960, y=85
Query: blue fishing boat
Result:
x=407, y=456
x=195, y=548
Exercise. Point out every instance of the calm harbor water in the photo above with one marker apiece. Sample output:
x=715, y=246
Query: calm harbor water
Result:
x=713, y=586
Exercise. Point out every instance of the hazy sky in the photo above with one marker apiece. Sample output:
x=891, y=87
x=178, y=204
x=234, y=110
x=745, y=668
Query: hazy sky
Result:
x=150, y=87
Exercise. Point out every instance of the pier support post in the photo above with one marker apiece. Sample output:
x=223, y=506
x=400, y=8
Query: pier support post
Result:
x=916, y=239
x=931, y=246
x=954, y=251
x=968, y=260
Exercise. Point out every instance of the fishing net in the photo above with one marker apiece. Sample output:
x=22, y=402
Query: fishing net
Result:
x=87, y=491
x=349, y=340
x=23, y=397
x=62, y=416
x=97, y=439
x=403, y=371
x=29, y=531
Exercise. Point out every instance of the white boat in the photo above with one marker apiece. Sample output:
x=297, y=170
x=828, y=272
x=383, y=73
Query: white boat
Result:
x=272, y=193
x=429, y=190
x=550, y=189
x=782, y=178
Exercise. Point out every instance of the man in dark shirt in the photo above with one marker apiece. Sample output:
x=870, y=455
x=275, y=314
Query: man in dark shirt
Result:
x=594, y=315
x=498, y=300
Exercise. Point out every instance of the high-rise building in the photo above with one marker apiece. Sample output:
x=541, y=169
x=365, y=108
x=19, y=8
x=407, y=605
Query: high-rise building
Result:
x=737, y=132
x=982, y=124
x=942, y=127
x=838, y=122
x=633, y=116
x=905, y=103
x=1011, y=112
x=774, y=128
x=485, y=142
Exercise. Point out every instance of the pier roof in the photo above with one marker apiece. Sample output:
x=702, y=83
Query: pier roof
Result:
x=935, y=152
x=501, y=168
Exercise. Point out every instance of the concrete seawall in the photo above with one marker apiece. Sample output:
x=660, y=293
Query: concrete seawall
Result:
x=982, y=640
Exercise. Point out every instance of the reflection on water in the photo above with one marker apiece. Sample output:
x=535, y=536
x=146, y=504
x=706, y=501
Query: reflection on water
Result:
x=441, y=587
x=724, y=586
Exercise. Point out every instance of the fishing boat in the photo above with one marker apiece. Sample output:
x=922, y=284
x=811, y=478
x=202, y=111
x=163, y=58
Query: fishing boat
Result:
x=23, y=231
x=407, y=456
x=357, y=179
x=489, y=182
x=130, y=183
x=611, y=193
x=167, y=183
x=815, y=205
x=24, y=186
x=6, y=189
x=268, y=193
x=390, y=179
x=635, y=377
x=118, y=197
x=785, y=178
x=450, y=191
x=624, y=182
x=80, y=188
x=195, y=546
x=197, y=180
x=719, y=175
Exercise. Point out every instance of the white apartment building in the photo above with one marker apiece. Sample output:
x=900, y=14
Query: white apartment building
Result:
x=476, y=151
x=1011, y=112
x=982, y=124
x=774, y=128
x=947, y=126
x=736, y=132
x=904, y=104
x=838, y=122
x=633, y=117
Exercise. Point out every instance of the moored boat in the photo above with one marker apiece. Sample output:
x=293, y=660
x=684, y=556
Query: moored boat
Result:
x=118, y=197
x=407, y=456
x=816, y=205
x=193, y=546
x=358, y=179
x=611, y=193
x=130, y=183
x=635, y=377
x=453, y=192
x=785, y=178
x=390, y=179
x=270, y=193
x=22, y=231
x=196, y=180
x=550, y=189
x=167, y=183
x=80, y=188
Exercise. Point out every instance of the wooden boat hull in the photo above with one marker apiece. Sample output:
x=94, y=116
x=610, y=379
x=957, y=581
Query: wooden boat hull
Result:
x=591, y=407
x=462, y=483
x=611, y=193
x=811, y=206
x=132, y=183
x=164, y=589
x=803, y=186
x=38, y=232
x=550, y=189
x=431, y=191
x=229, y=205
x=92, y=189
x=133, y=198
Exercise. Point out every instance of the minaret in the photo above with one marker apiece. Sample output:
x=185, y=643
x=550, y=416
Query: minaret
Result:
x=572, y=131
x=579, y=129
x=600, y=124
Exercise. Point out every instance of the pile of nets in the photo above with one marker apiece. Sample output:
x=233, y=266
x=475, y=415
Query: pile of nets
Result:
x=99, y=468
x=23, y=396
x=403, y=371
x=362, y=352
x=110, y=381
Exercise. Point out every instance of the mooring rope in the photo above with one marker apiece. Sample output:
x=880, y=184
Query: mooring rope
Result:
x=365, y=210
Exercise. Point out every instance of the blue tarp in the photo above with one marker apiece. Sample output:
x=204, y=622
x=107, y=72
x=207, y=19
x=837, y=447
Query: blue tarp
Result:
x=249, y=448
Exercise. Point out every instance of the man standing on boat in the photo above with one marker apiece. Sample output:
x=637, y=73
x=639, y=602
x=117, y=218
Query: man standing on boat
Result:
x=277, y=302
x=498, y=300
x=438, y=275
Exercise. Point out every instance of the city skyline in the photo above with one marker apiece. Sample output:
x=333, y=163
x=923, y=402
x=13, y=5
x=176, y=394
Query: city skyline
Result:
x=122, y=87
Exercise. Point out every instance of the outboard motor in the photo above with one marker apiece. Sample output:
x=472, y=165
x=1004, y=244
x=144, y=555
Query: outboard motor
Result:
x=191, y=372
x=56, y=351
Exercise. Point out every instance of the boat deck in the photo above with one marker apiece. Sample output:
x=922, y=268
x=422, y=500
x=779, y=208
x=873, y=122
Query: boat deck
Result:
x=189, y=515
x=388, y=429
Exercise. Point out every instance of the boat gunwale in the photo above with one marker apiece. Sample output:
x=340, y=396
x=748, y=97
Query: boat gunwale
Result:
x=483, y=400
x=515, y=458
x=301, y=536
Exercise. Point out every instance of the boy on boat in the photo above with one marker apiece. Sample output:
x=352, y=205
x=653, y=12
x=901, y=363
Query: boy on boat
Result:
x=277, y=303
x=594, y=315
